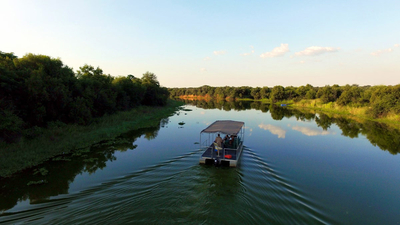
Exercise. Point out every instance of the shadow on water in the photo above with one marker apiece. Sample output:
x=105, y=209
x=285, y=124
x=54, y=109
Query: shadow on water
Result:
x=54, y=177
x=379, y=134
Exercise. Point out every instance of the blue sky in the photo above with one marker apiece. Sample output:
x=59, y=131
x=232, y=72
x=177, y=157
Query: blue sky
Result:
x=216, y=43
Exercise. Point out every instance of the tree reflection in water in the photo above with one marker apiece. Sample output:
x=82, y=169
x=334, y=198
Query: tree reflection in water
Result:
x=62, y=170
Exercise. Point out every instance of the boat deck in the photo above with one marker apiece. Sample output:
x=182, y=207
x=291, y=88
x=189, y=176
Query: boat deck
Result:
x=229, y=155
x=209, y=153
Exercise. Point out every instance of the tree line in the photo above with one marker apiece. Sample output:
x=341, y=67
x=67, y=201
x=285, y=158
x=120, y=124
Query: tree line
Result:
x=380, y=99
x=37, y=91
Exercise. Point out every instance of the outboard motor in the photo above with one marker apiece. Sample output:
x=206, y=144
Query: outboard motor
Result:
x=216, y=163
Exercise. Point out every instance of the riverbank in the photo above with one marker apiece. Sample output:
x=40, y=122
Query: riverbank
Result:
x=64, y=139
x=390, y=119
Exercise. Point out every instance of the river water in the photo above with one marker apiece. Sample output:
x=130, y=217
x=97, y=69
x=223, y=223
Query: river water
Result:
x=296, y=168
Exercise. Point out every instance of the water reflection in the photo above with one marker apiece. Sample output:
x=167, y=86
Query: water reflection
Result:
x=273, y=129
x=224, y=105
x=310, y=131
x=56, y=175
x=385, y=137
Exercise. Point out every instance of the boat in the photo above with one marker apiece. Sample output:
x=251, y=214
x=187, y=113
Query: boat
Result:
x=228, y=154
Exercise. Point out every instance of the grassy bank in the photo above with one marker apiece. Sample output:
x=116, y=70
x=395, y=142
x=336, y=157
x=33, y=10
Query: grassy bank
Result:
x=359, y=112
x=63, y=139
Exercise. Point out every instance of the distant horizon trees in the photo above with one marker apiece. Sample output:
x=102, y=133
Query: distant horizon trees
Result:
x=381, y=100
x=37, y=91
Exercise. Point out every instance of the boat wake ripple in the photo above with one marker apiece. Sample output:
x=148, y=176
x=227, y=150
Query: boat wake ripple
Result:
x=272, y=197
x=180, y=190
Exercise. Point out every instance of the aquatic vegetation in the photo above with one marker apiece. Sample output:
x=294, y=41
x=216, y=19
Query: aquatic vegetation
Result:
x=36, y=182
x=91, y=160
x=43, y=171
x=60, y=158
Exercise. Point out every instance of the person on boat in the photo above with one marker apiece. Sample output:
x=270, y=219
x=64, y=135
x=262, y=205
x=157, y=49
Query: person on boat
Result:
x=226, y=137
x=231, y=140
x=218, y=140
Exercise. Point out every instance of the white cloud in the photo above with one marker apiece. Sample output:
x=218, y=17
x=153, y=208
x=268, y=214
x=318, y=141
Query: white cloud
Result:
x=278, y=51
x=273, y=129
x=396, y=45
x=308, y=61
x=207, y=58
x=203, y=70
x=310, y=132
x=248, y=128
x=252, y=51
x=316, y=50
x=222, y=52
x=380, y=52
x=250, y=132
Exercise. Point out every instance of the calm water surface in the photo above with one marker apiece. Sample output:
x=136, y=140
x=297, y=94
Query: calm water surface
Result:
x=296, y=168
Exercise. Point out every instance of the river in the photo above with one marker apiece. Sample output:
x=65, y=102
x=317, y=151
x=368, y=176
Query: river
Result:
x=296, y=168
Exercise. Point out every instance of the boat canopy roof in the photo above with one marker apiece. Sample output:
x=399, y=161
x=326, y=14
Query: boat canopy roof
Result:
x=225, y=127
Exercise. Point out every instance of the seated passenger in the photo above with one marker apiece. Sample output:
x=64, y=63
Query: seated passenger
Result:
x=231, y=140
x=226, y=137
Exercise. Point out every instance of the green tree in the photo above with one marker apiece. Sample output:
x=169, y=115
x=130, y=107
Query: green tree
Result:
x=385, y=100
x=129, y=91
x=256, y=93
x=244, y=92
x=277, y=94
x=328, y=93
x=88, y=71
x=290, y=92
x=306, y=92
x=351, y=94
x=311, y=94
x=48, y=89
x=154, y=94
x=97, y=88
x=265, y=92
x=219, y=93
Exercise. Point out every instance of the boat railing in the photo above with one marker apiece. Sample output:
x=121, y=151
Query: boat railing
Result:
x=205, y=143
x=233, y=148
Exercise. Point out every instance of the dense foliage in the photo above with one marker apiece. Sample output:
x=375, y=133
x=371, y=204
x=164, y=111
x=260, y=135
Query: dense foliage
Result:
x=381, y=100
x=38, y=91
